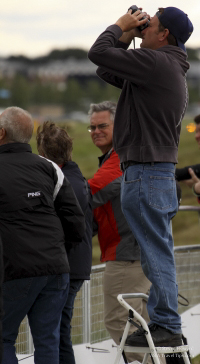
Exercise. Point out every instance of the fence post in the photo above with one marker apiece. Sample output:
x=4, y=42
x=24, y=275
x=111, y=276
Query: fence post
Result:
x=86, y=312
x=30, y=342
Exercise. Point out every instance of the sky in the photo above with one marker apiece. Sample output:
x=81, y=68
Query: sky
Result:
x=35, y=27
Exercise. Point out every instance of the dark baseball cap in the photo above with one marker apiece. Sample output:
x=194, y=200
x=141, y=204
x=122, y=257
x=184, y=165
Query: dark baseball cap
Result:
x=178, y=23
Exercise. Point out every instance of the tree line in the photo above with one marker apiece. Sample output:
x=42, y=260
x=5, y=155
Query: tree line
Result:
x=74, y=93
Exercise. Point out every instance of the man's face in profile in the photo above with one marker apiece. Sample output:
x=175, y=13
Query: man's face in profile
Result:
x=150, y=35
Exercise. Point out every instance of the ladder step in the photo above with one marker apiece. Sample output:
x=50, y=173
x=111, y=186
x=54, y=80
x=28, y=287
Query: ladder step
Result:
x=159, y=349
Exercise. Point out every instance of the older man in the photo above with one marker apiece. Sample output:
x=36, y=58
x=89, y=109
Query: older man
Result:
x=119, y=249
x=38, y=206
x=146, y=135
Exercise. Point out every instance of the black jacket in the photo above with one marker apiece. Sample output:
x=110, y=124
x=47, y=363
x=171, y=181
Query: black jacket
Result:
x=182, y=174
x=153, y=99
x=33, y=193
x=80, y=256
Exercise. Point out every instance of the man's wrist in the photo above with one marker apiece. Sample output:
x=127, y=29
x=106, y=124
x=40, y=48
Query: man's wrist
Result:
x=127, y=37
x=120, y=25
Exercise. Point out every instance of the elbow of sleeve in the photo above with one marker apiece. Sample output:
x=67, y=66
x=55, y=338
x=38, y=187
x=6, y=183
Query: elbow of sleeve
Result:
x=98, y=72
x=79, y=232
x=82, y=230
x=93, y=56
x=90, y=55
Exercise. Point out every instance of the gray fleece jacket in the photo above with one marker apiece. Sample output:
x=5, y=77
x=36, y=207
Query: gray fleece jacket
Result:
x=153, y=99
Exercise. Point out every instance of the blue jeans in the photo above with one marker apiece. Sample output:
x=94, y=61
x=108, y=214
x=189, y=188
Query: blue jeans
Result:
x=42, y=300
x=149, y=201
x=66, y=349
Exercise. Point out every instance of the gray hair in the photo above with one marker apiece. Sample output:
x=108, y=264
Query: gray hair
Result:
x=104, y=106
x=18, y=125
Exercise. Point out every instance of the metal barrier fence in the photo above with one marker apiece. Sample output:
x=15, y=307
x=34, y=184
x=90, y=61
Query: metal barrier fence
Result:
x=87, y=322
x=188, y=275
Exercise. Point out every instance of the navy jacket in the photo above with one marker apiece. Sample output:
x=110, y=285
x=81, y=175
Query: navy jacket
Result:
x=80, y=255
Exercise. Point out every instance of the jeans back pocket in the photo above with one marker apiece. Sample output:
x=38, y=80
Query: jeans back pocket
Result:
x=161, y=190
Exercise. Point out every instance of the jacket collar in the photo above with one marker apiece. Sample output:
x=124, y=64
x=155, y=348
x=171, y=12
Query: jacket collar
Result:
x=104, y=157
x=15, y=148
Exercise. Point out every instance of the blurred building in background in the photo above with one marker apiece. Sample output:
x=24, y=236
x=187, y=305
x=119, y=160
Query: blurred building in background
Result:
x=64, y=83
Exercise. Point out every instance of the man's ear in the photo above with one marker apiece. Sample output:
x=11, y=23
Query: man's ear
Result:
x=164, y=34
x=2, y=134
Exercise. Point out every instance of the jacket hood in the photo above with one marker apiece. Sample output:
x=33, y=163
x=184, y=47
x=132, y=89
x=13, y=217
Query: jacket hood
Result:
x=178, y=54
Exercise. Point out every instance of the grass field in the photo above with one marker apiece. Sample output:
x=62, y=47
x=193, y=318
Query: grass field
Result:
x=196, y=360
x=186, y=226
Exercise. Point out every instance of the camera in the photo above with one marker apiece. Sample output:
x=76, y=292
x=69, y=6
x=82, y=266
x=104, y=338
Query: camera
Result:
x=134, y=8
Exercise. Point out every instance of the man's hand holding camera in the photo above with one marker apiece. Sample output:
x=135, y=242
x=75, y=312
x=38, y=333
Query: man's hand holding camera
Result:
x=129, y=24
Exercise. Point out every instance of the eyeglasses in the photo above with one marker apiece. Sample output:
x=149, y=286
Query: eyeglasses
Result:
x=91, y=128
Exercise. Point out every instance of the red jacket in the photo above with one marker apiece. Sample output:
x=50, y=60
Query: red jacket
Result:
x=115, y=238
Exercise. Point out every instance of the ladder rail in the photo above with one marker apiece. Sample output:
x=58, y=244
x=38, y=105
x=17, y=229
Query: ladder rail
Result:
x=150, y=349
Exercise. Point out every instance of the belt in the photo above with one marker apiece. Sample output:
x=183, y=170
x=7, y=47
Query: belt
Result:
x=127, y=164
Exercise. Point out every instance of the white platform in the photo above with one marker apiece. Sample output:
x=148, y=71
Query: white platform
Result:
x=105, y=352
x=191, y=329
x=99, y=353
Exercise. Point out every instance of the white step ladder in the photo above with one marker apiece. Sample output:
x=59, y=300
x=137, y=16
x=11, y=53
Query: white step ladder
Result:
x=150, y=349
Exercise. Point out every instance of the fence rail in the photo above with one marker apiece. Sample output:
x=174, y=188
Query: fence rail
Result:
x=87, y=322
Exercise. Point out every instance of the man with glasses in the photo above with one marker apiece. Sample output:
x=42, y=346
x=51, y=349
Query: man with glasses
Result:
x=119, y=249
x=147, y=129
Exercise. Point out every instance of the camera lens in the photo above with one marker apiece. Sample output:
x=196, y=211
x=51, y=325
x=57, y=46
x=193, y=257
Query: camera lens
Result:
x=134, y=8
